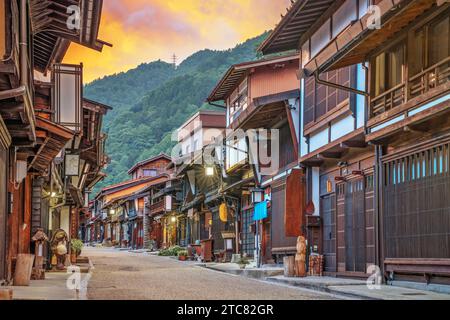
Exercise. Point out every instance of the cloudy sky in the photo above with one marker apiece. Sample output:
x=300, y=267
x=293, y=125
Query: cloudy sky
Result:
x=147, y=30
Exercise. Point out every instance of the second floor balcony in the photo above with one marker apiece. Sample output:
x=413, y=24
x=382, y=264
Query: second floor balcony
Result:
x=410, y=76
x=157, y=207
x=432, y=80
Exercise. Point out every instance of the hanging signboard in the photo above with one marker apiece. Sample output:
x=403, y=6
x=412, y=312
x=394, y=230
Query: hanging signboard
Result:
x=294, y=219
x=260, y=211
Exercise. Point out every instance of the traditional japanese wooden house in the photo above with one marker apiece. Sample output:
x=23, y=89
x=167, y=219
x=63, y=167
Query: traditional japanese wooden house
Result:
x=88, y=225
x=124, y=202
x=152, y=167
x=339, y=163
x=383, y=209
x=31, y=136
x=262, y=101
x=198, y=131
x=165, y=199
x=198, y=220
x=201, y=200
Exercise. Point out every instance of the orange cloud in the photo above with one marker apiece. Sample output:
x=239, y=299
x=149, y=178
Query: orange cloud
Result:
x=147, y=30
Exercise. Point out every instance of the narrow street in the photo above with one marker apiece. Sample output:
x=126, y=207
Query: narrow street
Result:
x=121, y=275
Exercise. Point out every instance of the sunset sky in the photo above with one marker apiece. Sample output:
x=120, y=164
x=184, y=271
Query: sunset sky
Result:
x=147, y=30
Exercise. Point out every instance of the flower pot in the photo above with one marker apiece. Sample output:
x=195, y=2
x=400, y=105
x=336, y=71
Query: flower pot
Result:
x=73, y=258
x=182, y=258
x=242, y=266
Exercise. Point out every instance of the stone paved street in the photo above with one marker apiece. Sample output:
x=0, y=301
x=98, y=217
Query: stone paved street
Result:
x=120, y=275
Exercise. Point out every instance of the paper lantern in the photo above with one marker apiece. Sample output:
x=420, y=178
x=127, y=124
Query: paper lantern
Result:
x=223, y=212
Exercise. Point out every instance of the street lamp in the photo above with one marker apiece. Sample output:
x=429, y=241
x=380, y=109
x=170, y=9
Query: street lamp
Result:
x=209, y=171
x=257, y=195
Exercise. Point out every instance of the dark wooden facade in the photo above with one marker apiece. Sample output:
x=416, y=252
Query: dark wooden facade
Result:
x=383, y=186
x=30, y=138
x=264, y=95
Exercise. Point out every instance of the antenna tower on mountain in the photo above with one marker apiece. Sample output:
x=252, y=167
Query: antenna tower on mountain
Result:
x=174, y=61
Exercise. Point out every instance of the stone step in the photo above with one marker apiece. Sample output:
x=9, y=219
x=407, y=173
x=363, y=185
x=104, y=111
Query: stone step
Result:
x=82, y=260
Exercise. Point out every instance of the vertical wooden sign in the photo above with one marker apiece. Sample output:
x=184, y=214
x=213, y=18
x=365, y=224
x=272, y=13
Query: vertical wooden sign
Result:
x=294, y=216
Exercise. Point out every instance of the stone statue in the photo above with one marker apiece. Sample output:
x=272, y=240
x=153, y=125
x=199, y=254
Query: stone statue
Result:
x=58, y=244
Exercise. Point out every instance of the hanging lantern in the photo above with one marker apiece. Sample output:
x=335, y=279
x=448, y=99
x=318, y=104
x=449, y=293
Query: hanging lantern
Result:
x=223, y=212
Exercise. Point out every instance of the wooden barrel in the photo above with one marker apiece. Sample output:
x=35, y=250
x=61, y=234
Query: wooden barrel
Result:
x=24, y=268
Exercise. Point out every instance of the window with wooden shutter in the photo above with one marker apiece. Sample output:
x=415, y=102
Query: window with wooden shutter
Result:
x=321, y=99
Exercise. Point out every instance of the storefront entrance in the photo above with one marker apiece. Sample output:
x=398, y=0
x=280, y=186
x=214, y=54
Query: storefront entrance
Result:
x=328, y=210
x=416, y=213
x=355, y=225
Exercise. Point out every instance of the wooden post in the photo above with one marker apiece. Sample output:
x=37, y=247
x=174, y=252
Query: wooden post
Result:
x=6, y=294
x=24, y=267
x=289, y=266
x=300, y=258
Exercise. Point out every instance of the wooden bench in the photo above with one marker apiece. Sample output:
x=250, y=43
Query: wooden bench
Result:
x=426, y=267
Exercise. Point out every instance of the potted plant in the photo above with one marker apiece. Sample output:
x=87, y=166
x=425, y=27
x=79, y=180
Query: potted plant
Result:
x=243, y=262
x=182, y=255
x=76, y=246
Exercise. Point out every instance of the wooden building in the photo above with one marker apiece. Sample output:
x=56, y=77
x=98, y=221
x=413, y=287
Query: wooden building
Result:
x=377, y=173
x=199, y=131
x=163, y=227
x=124, y=207
x=150, y=167
x=198, y=218
x=119, y=211
x=36, y=120
x=262, y=99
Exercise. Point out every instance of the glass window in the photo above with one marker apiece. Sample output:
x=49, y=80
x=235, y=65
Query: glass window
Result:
x=195, y=145
x=363, y=6
x=396, y=63
x=389, y=69
x=417, y=58
x=439, y=48
x=150, y=172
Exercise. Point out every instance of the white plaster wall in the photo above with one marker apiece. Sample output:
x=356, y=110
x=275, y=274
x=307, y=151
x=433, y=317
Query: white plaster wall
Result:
x=65, y=219
x=318, y=140
x=342, y=127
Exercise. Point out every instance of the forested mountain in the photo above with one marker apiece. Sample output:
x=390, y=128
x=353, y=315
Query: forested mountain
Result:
x=154, y=99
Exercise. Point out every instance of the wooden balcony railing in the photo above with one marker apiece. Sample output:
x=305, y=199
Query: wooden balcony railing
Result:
x=388, y=100
x=417, y=85
x=157, y=207
x=236, y=115
x=430, y=78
